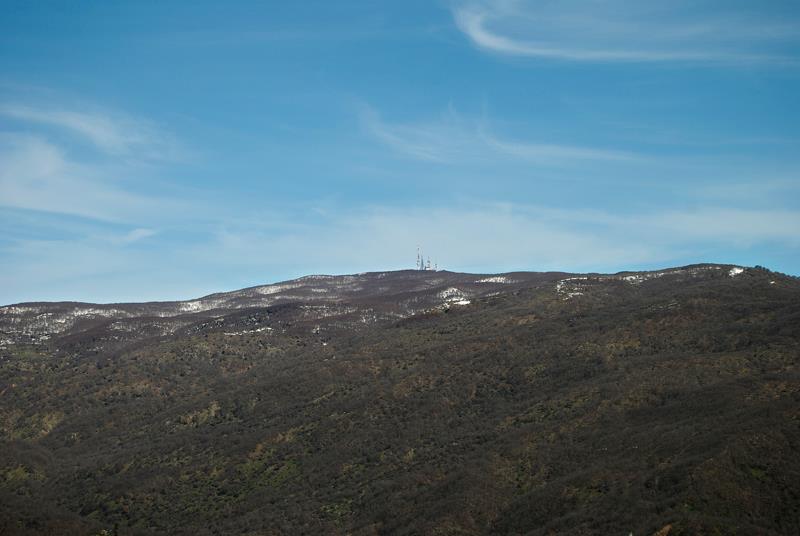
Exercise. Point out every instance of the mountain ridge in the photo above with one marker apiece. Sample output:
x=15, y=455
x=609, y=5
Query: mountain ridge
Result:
x=398, y=293
x=317, y=277
x=416, y=403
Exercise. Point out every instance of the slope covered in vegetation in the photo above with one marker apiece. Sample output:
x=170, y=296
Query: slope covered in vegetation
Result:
x=648, y=403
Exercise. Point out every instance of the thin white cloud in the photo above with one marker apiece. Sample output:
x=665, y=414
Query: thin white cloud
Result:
x=543, y=152
x=137, y=234
x=437, y=141
x=453, y=139
x=502, y=236
x=115, y=134
x=625, y=30
x=730, y=226
x=763, y=190
x=40, y=168
x=77, y=261
x=374, y=238
x=37, y=175
x=486, y=237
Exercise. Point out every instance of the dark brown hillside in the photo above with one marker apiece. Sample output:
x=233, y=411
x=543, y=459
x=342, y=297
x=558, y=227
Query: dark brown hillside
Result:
x=548, y=404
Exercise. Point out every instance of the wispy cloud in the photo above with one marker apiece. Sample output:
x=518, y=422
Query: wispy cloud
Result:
x=134, y=235
x=504, y=236
x=731, y=226
x=444, y=140
x=544, y=152
x=116, y=134
x=479, y=237
x=767, y=191
x=79, y=162
x=452, y=138
x=38, y=175
x=625, y=30
x=85, y=214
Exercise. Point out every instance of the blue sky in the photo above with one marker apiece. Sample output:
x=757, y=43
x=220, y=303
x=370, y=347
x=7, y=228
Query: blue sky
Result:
x=165, y=150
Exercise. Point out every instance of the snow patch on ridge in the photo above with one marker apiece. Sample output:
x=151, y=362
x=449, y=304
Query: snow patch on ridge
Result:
x=453, y=296
x=638, y=278
x=570, y=287
x=196, y=306
x=247, y=331
x=496, y=279
x=192, y=306
x=274, y=289
x=450, y=293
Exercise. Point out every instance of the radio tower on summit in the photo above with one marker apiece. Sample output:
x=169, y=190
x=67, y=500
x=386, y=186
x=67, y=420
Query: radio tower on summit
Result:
x=424, y=264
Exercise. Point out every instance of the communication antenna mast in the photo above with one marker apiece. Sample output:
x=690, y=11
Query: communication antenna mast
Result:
x=419, y=260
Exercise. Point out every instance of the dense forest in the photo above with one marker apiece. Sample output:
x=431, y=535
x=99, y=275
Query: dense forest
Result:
x=647, y=403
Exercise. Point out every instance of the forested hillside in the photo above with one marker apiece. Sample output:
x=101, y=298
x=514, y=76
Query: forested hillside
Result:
x=414, y=403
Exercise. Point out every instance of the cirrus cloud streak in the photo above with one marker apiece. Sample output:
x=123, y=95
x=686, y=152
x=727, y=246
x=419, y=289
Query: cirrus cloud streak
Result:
x=627, y=31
